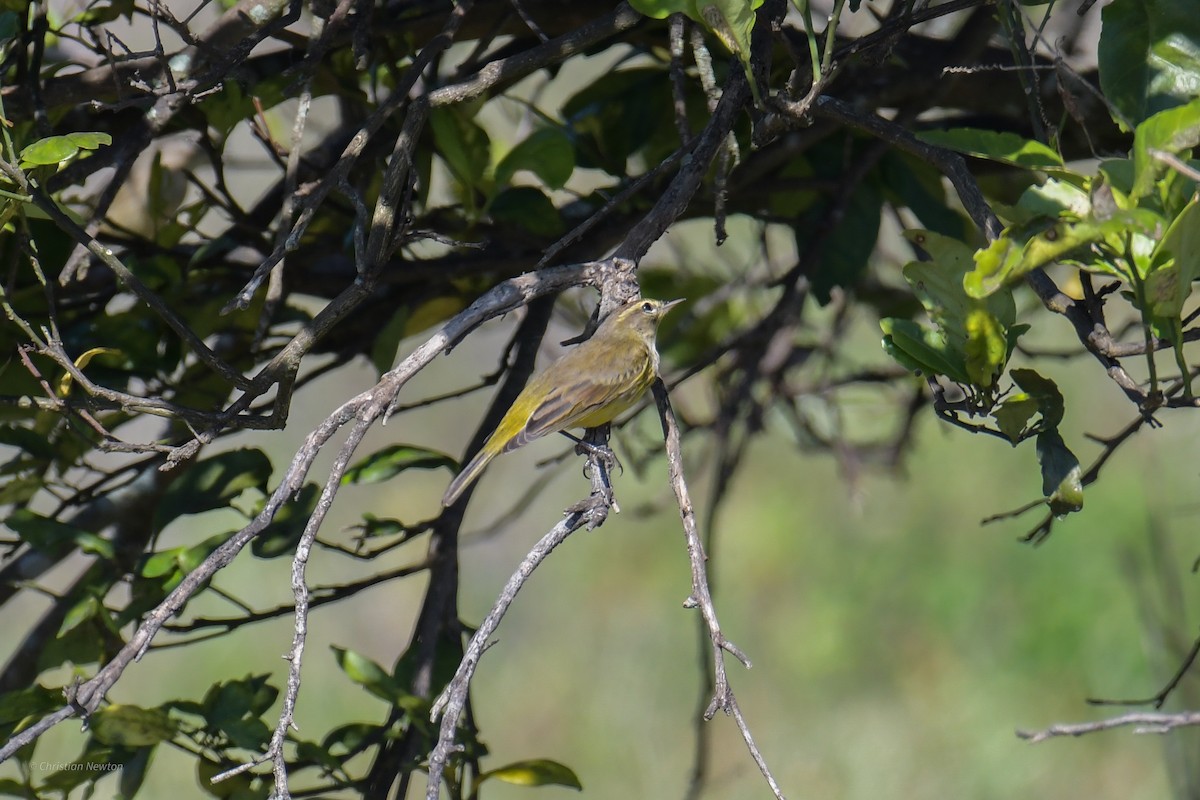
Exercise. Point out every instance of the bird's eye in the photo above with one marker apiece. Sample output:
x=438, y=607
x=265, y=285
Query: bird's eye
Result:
x=648, y=307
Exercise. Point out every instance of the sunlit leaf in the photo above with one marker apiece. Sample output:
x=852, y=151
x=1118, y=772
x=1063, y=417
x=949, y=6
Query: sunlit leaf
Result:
x=56, y=149
x=366, y=673
x=1172, y=131
x=535, y=772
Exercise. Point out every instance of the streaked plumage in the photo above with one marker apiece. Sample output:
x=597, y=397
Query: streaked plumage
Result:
x=587, y=387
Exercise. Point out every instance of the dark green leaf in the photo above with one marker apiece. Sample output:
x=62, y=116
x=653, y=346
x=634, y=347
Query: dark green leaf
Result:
x=548, y=153
x=212, y=483
x=56, y=538
x=230, y=701
x=618, y=114
x=461, y=143
x=1061, y=477
x=250, y=733
x=133, y=773
x=918, y=186
x=348, y=738
x=8, y=786
x=527, y=207
x=1044, y=391
x=392, y=460
x=1148, y=56
x=850, y=243
x=10, y=26
x=409, y=321
x=285, y=530
x=31, y=701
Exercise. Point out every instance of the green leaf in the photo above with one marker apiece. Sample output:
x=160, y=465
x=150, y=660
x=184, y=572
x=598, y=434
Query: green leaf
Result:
x=461, y=143
x=1012, y=415
x=1148, y=56
x=284, y=531
x=10, y=27
x=528, y=208
x=547, y=153
x=213, y=483
x=56, y=538
x=392, y=460
x=133, y=773
x=1026, y=248
x=8, y=786
x=1007, y=148
x=131, y=726
x=974, y=337
x=57, y=149
x=409, y=321
x=87, y=608
x=1054, y=198
x=31, y=701
x=849, y=246
x=1044, y=391
x=367, y=674
x=372, y=526
x=922, y=350
x=732, y=22
x=918, y=186
x=661, y=9
x=535, y=772
x=986, y=347
x=99, y=14
x=1061, y=477
x=1177, y=263
x=617, y=115
x=1172, y=131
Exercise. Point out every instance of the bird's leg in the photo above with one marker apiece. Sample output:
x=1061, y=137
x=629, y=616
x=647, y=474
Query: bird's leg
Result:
x=596, y=450
x=599, y=467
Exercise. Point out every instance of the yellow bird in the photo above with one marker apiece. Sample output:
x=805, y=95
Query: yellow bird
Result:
x=588, y=386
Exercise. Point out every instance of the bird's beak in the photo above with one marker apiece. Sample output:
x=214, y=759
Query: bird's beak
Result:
x=670, y=304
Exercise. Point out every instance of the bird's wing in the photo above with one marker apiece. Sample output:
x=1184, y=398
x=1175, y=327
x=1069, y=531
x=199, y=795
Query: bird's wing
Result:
x=568, y=403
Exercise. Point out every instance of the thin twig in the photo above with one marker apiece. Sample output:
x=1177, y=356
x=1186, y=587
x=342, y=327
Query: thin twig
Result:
x=701, y=597
x=1144, y=722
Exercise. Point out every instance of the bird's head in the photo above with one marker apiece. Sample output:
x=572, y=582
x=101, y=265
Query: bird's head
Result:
x=641, y=316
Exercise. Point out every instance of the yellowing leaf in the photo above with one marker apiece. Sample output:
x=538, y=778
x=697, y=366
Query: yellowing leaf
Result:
x=64, y=384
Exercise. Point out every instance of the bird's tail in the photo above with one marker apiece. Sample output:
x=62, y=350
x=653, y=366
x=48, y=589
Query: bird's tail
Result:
x=468, y=475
